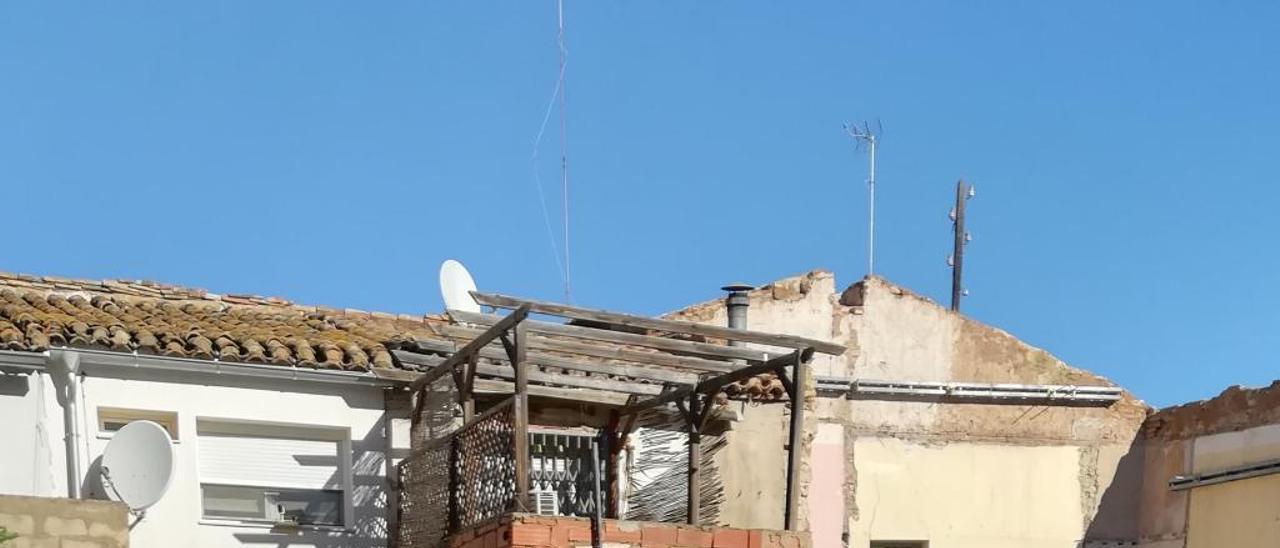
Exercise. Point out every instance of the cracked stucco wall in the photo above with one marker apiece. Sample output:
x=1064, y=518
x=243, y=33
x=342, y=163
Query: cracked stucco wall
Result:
x=957, y=475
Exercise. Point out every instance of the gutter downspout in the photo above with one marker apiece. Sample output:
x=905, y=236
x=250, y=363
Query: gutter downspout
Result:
x=64, y=368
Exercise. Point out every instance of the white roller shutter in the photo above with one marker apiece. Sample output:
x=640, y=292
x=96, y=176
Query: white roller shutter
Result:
x=269, y=462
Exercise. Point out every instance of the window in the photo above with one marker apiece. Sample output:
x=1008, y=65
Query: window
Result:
x=561, y=473
x=274, y=474
x=112, y=419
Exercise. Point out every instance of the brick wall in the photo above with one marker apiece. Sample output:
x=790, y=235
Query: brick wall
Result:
x=530, y=531
x=64, y=523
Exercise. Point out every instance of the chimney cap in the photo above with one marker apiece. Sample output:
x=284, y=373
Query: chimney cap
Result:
x=736, y=287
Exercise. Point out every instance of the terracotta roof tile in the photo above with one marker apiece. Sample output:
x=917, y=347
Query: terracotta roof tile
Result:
x=153, y=318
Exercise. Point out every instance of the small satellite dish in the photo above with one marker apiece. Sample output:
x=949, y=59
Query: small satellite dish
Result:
x=456, y=286
x=138, y=465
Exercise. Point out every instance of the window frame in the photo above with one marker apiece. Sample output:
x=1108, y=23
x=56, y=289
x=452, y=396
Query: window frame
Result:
x=166, y=419
x=271, y=429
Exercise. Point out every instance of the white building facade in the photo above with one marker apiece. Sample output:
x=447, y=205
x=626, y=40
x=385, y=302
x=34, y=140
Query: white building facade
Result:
x=264, y=455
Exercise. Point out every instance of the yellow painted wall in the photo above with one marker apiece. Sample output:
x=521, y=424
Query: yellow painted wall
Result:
x=967, y=495
x=1238, y=514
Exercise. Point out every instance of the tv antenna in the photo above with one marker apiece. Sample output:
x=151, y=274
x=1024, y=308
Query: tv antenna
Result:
x=964, y=191
x=864, y=135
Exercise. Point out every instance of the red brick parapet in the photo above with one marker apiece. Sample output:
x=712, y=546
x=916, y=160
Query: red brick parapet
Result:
x=533, y=531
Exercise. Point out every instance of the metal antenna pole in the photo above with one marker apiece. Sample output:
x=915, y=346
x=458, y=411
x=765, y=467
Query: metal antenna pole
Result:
x=564, y=144
x=865, y=135
x=871, y=217
x=964, y=191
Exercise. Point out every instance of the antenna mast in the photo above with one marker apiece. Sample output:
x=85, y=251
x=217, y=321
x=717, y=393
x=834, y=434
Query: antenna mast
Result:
x=564, y=143
x=865, y=135
x=964, y=192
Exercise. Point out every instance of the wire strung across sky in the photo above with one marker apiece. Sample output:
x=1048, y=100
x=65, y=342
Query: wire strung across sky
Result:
x=557, y=96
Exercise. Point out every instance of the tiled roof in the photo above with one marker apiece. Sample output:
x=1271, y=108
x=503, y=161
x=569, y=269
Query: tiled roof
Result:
x=41, y=312
x=151, y=318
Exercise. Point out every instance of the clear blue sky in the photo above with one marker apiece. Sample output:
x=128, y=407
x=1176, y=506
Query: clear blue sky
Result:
x=336, y=152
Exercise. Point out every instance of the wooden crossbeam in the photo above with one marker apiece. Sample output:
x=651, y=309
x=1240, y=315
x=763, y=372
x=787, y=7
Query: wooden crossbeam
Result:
x=503, y=370
x=692, y=348
x=673, y=326
x=610, y=352
x=498, y=354
x=713, y=385
x=480, y=341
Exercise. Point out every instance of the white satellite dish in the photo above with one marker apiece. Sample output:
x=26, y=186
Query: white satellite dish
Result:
x=456, y=286
x=138, y=465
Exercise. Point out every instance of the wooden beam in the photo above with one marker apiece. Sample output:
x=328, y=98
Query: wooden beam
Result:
x=595, y=350
x=521, y=366
x=579, y=395
x=795, y=430
x=547, y=360
x=692, y=416
x=693, y=348
x=480, y=341
x=673, y=326
x=503, y=370
x=713, y=385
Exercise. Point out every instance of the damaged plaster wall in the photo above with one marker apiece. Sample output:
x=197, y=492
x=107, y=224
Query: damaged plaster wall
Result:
x=1240, y=426
x=952, y=474
x=753, y=463
x=977, y=474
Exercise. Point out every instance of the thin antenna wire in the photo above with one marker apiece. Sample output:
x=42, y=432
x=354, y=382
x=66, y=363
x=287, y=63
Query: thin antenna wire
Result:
x=537, y=180
x=564, y=143
x=864, y=134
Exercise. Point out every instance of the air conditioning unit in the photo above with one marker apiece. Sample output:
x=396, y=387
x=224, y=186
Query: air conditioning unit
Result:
x=546, y=502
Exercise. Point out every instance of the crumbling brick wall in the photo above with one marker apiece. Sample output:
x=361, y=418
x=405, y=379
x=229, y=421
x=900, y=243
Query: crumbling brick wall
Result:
x=531, y=531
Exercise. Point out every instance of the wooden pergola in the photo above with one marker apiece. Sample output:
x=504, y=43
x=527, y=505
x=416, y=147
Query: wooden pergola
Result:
x=626, y=362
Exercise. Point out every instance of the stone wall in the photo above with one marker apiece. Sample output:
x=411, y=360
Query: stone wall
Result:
x=531, y=531
x=64, y=523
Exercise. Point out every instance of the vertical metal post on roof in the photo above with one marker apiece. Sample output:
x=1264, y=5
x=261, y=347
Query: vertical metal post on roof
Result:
x=799, y=382
x=963, y=193
x=519, y=361
x=695, y=458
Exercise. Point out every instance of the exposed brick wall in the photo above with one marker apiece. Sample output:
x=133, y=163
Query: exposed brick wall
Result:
x=50, y=522
x=530, y=531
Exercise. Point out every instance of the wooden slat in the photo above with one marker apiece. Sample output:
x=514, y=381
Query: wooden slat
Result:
x=497, y=354
x=479, y=341
x=707, y=350
x=503, y=370
x=713, y=385
x=612, y=399
x=542, y=342
x=492, y=387
x=674, y=326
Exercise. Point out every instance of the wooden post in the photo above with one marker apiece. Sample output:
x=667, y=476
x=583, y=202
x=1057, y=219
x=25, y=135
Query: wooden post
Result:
x=465, y=380
x=695, y=457
x=799, y=380
x=613, y=448
x=520, y=364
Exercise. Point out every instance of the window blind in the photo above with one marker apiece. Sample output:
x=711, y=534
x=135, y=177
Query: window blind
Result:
x=234, y=459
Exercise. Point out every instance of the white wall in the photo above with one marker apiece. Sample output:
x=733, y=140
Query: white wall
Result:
x=27, y=463
x=176, y=520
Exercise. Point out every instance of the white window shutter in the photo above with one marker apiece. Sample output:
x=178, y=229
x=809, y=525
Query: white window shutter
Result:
x=269, y=462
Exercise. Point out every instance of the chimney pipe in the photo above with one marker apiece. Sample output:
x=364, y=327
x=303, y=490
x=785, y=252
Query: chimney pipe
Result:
x=737, y=304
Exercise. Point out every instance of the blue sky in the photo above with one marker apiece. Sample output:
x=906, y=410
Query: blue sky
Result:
x=336, y=152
